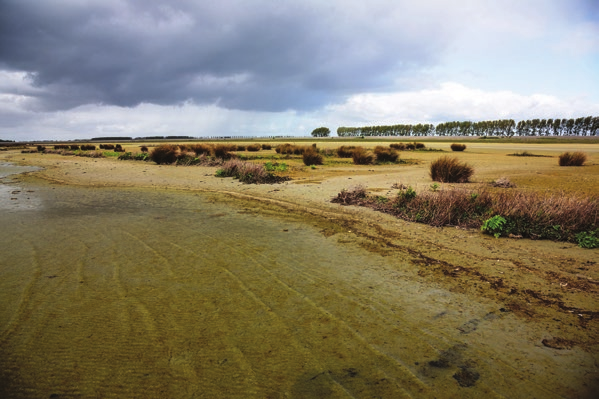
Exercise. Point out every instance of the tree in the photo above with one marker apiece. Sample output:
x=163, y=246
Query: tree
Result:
x=321, y=132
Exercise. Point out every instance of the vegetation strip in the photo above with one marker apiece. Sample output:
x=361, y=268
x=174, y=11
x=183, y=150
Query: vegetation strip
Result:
x=502, y=214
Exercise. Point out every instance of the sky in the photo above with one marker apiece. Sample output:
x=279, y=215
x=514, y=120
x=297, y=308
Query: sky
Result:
x=77, y=69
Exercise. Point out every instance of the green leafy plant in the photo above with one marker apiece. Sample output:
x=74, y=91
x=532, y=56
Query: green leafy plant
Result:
x=435, y=187
x=408, y=194
x=588, y=239
x=495, y=226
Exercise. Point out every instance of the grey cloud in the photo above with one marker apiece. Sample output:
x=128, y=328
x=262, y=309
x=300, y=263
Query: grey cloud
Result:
x=259, y=55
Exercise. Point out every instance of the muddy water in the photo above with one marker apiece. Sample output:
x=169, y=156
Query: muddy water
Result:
x=133, y=293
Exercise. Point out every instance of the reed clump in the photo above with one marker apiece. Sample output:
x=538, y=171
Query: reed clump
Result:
x=560, y=217
x=346, y=151
x=450, y=170
x=248, y=172
x=312, y=157
x=361, y=156
x=164, y=154
x=385, y=154
x=254, y=147
x=572, y=159
x=398, y=146
x=457, y=147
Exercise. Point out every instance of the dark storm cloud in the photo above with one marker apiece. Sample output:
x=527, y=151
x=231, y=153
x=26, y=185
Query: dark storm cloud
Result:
x=258, y=55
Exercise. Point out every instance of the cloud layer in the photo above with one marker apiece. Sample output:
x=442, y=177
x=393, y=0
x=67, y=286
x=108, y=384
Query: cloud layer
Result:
x=135, y=67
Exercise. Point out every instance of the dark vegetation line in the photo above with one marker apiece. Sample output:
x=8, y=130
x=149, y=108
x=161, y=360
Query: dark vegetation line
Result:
x=586, y=126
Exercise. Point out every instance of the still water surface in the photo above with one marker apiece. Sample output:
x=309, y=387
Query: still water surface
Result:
x=137, y=293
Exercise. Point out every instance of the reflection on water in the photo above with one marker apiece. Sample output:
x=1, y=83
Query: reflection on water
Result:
x=133, y=293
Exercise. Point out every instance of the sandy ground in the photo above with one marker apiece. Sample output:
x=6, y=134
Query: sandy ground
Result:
x=551, y=285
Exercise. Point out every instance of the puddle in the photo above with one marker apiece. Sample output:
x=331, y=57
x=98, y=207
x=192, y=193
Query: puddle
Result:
x=139, y=293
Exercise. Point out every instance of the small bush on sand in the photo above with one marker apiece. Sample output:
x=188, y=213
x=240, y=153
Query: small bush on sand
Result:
x=458, y=147
x=385, y=154
x=164, y=154
x=450, y=170
x=200, y=149
x=398, y=146
x=224, y=150
x=346, y=151
x=362, y=157
x=247, y=172
x=572, y=159
x=312, y=157
x=254, y=147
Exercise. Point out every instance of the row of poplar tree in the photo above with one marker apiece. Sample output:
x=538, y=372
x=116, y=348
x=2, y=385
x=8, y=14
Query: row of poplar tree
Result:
x=588, y=126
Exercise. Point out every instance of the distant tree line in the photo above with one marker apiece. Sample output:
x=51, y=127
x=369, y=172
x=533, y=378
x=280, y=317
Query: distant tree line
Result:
x=587, y=126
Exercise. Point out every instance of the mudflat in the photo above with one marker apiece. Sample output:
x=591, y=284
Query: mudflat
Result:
x=511, y=317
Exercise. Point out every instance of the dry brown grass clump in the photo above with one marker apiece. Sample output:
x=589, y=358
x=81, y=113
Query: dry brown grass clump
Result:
x=88, y=147
x=119, y=148
x=458, y=147
x=450, y=170
x=362, y=157
x=561, y=217
x=143, y=148
x=346, y=151
x=312, y=157
x=107, y=146
x=241, y=147
x=398, y=146
x=385, y=154
x=254, y=147
x=164, y=154
x=248, y=172
x=266, y=147
x=291, y=149
x=201, y=149
x=224, y=150
x=572, y=159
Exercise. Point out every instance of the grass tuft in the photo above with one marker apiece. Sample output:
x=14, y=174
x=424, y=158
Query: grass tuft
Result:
x=312, y=157
x=458, y=147
x=385, y=154
x=572, y=159
x=163, y=154
x=361, y=156
x=450, y=170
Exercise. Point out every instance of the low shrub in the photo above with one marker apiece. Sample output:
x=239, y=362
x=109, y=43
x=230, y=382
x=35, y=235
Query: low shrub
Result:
x=119, y=148
x=398, y=146
x=266, y=147
x=224, y=150
x=240, y=147
x=312, y=157
x=346, y=151
x=248, y=172
x=74, y=147
x=560, y=217
x=187, y=159
x=419, y=146
x=143, y=148
x=200, y=149
x=527, y=154
x=410, y=146
x=164, y=154
x=41, y=148
x=361, y=156
x=385, y=154
x=572, y=159
x=61, y=147
x=107, y=146
x=88, y=147
x=458, y=147
x=450, y=170
x=254, y=147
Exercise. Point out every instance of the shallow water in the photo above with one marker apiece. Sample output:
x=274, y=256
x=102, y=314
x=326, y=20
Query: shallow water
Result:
x=138, y=293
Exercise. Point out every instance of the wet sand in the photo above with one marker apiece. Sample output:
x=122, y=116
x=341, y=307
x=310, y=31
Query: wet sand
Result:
x=355, y=303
